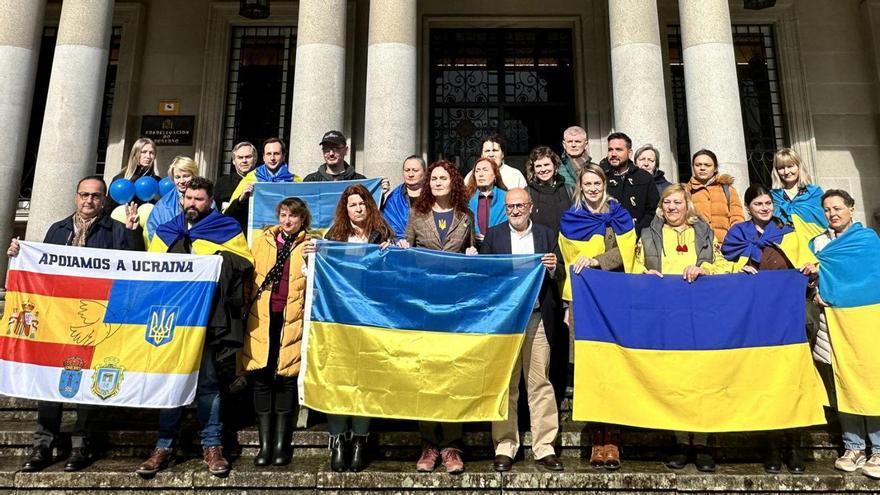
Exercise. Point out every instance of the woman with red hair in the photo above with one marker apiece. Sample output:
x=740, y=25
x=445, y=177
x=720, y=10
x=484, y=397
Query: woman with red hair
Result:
x=441, y=220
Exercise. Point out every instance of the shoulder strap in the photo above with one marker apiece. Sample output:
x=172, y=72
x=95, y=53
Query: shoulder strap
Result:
x=726, y=189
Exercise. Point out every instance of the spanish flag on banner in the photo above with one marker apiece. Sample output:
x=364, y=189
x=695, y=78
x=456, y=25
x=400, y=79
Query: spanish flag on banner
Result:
x=582, y=233
x=742, y=243
x=320, y=197
x=725, y=353
x=412, y=333
x=849, y=281
x=97, y=326
x=804, y=212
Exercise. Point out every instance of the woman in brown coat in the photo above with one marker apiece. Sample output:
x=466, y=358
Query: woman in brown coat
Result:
x=441, y=220
x=271, y=351
x=713, y=194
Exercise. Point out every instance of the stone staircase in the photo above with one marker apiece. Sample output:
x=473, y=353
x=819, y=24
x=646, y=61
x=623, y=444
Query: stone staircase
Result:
x=127, y=435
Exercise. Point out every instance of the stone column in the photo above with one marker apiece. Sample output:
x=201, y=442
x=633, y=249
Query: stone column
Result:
x=21, y=31
x=713, y=104
x=69, y=139
x=390, y=115
x=319, y=82
x=637, y=77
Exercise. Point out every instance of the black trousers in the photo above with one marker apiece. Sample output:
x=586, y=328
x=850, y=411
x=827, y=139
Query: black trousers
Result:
x=49, y=424
x=272, y=392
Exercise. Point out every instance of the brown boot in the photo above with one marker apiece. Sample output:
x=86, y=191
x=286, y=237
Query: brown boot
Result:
x=217, y=464
x=612, y=448
x=597, y=453
x=158, y=460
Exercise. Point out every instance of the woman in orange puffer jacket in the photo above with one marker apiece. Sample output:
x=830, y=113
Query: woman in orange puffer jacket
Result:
x=714, y=196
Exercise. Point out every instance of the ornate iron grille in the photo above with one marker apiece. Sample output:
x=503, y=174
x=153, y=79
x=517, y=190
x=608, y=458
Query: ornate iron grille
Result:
x=760, y=98
x=519, y=82
x=260, y=88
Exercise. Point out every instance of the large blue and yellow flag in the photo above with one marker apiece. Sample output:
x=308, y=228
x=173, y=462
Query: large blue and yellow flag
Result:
x=725, y=353
x=582, y=233
x=98, y=326
x=804, y=212
x=412, y=333
x=320, y=197
x=742, y=243
x=215, y=232
x=849, y=281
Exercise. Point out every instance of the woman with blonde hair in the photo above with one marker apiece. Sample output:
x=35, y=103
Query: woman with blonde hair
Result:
x=796, y=200
x=680, y=242
x=141, y=163
x=181, y=170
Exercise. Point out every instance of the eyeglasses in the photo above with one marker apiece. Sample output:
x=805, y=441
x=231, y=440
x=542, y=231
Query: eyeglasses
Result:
x=334, y=149
x=517, y=206
x=84, y=195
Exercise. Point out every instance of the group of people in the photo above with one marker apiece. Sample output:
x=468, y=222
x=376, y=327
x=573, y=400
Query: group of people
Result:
x=691, y=229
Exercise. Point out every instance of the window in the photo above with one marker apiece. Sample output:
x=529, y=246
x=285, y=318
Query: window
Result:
x=260, y=89
x=760, y=99
x=519, y=82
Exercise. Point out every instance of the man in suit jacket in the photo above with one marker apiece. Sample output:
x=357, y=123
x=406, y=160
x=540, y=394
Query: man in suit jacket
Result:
x=519, y=235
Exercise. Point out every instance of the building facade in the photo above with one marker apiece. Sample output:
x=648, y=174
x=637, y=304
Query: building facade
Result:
x=86, y=78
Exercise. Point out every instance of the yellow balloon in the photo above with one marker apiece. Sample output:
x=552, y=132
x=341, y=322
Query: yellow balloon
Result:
x=144, y=211
x=118, y=214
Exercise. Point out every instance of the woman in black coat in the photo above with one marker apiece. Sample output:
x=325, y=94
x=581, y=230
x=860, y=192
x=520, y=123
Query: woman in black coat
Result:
x=547, y=188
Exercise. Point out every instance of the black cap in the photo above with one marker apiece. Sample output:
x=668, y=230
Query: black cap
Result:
x=334, y=137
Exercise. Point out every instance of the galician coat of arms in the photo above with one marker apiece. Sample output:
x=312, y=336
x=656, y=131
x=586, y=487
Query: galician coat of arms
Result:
x=24, y=321
x=71, y=377
x=107, y=378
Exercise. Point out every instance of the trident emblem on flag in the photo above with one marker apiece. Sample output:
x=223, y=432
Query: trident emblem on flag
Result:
x=160, y=329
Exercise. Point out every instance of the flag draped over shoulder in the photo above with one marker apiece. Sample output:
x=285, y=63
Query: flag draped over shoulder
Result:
x=320, y=197
x=396, y=211
x=213, y=233
x=804, y=212
x=97, y=326
x=849, y=281
x=497, y=210
x=412, y=333
x=716, y=355
x=742, y=243
x=582, y=233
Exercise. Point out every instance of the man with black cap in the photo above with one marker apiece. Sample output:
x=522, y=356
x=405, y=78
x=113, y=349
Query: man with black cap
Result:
x=335, y=147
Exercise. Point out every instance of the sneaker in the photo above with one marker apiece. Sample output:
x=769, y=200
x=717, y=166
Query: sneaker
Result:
x=452, y=460
x=871, y=468
x=428, y=461
x=851, y=460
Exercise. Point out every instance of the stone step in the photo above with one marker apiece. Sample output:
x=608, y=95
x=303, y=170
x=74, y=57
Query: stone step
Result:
x=308, y=475
x=400, y=440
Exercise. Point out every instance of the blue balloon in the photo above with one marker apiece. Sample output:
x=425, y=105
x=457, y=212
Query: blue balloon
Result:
x=165, y=186
x=146, y=188
x=122, y=191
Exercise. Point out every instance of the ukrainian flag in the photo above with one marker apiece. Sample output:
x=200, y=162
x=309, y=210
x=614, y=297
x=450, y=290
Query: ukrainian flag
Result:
x=97, y=326
x=742, y=243
x=849, y=281
x=725, y=353
x=582, y=233
x=804, y=212
x=320, y=197
x=215, y=232
x=412, y=333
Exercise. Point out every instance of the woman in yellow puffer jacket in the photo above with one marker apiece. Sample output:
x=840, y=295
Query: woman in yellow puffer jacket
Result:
x=714, y=197
x=271, y=353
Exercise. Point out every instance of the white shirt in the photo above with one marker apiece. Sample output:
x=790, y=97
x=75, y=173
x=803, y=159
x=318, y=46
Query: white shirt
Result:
x=522, y=242
x=510, y=176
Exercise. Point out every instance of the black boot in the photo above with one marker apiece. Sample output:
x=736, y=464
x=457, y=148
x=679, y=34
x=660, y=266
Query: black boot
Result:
x=265, y=424
x=38, y=459
x=794, y=461
x=359, y=460
x=338, y=453
x=283, y=433
x=773, y=455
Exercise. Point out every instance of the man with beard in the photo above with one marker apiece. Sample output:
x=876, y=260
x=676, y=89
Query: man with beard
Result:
x=631, y=186
x=87, y=227
x=202, y=230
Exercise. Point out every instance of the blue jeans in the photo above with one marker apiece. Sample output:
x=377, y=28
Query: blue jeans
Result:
x=856, y=428
x=207, y=408
x=338, y=424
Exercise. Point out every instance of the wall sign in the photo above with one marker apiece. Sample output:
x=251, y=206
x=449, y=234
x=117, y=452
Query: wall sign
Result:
x=169, y=130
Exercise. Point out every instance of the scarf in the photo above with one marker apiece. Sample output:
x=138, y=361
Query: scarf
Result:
x=282, y=174
x=273, y=277
x=81, y=227
x=741, y=241
x=497, y=211
x=582, y=224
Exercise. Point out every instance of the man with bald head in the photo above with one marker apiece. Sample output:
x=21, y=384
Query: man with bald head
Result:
x=519, y=235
